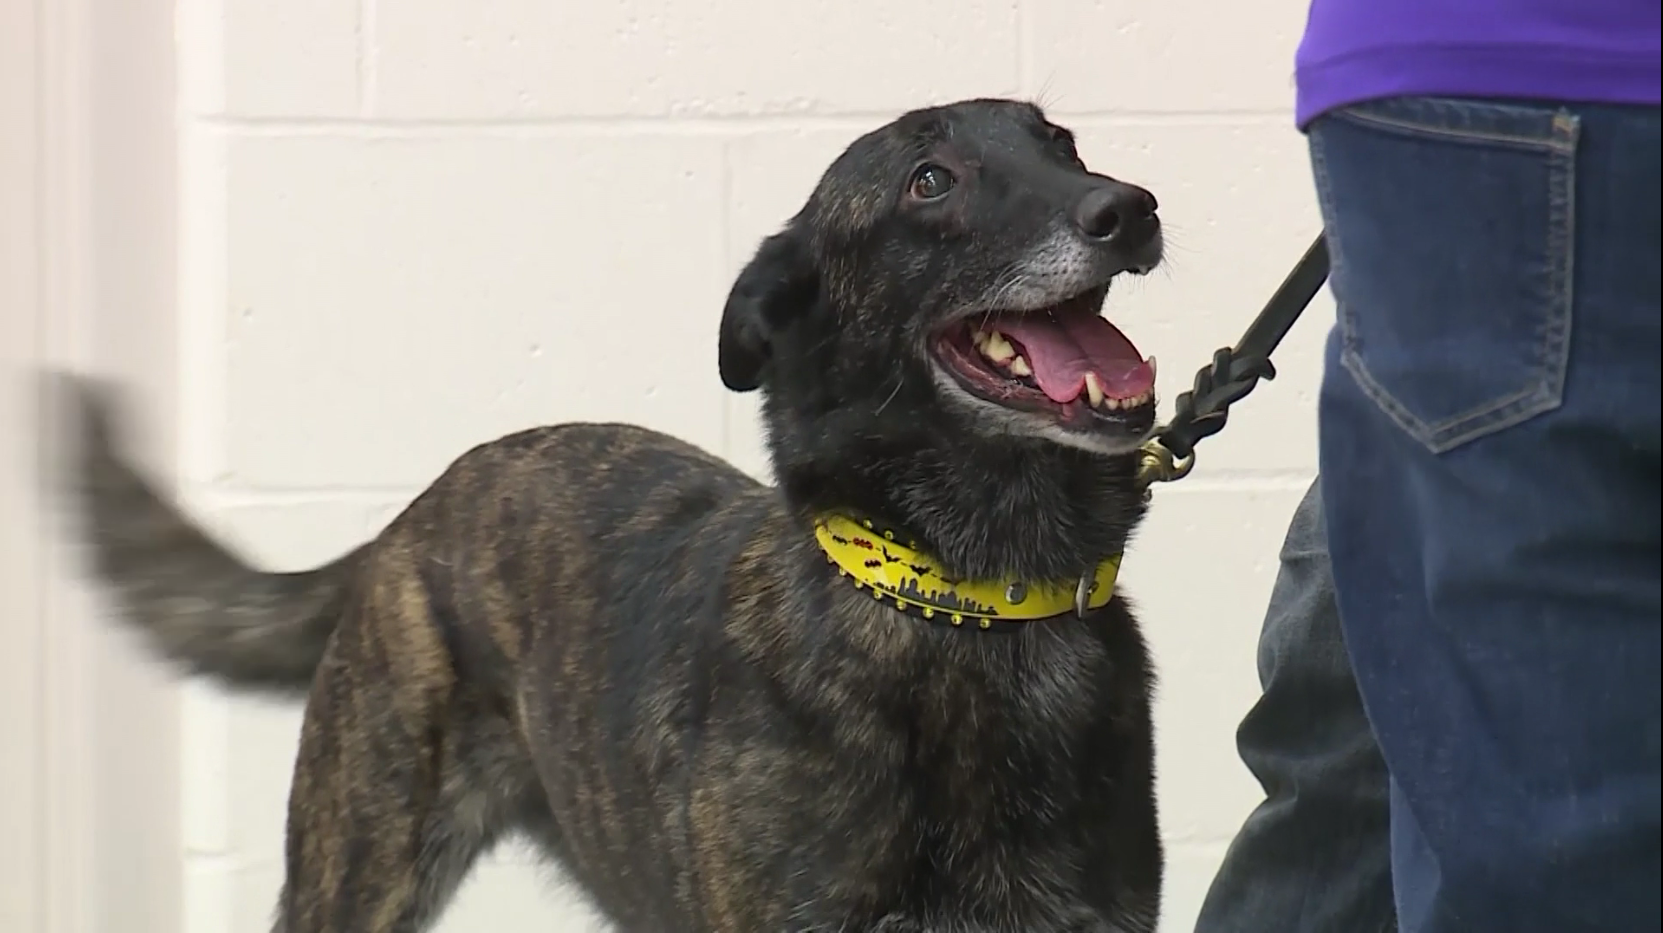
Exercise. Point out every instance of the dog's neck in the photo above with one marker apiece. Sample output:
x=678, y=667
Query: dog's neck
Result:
x=1020, y=508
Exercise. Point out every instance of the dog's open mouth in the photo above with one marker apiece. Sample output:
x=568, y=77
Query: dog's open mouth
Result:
x=1065, y=361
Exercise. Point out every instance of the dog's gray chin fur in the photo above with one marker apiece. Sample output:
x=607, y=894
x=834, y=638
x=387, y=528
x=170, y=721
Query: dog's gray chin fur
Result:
x=1060, y=267
x=994, y=420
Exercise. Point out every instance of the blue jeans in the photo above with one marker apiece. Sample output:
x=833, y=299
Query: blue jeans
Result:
x=1314, y=856
x=1491, y=473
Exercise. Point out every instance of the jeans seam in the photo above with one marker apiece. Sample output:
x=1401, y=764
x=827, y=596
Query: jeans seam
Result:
x=1561, y=250
x=1455, y=430
x=1553, y=331
x=1555, y=141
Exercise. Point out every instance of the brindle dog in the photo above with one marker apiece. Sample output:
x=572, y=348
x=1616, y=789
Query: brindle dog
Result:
x=622, y=647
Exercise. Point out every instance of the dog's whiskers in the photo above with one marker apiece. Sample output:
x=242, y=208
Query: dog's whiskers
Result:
x=892, y=393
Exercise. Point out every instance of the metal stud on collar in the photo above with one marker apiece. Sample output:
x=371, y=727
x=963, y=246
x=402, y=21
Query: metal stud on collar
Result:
x=1082, y=593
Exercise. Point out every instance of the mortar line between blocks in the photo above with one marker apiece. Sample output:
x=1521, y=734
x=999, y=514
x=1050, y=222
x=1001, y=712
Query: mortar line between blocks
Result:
x=726, y=125
x=1239, y=481
x=1201, y=843
x=213, y=860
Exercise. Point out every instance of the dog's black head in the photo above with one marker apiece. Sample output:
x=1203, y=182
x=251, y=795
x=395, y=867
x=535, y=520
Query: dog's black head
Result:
x=931, y=319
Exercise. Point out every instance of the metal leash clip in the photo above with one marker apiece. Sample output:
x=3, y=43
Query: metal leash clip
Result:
x=1160, y=465
x=1202, y=411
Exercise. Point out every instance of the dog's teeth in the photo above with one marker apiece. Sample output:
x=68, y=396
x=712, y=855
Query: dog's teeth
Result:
x=1151, y=363
x=1094, y=389
x=1020, y=367
x=997, y=348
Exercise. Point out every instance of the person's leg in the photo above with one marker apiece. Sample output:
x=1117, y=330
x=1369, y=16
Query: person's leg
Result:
x=1491, y=472
x=1313, y=857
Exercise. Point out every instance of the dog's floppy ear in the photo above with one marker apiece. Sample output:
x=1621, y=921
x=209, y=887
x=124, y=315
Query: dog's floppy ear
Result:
x=778, y=284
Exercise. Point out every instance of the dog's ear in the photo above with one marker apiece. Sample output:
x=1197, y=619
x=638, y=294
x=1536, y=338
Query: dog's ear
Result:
x=777, y=285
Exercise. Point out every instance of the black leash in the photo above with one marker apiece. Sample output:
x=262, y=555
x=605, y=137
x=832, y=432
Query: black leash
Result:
x=1202, y=411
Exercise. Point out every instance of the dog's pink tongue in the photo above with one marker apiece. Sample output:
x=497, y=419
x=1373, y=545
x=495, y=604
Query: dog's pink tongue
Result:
x=1063, y=346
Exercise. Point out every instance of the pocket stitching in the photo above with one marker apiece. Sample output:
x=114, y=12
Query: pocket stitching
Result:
x=1555, y=141
x=1552, y=357
x=1457, y=429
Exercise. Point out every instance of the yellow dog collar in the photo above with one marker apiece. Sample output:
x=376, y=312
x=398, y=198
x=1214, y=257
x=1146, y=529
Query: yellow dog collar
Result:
x=895, y=572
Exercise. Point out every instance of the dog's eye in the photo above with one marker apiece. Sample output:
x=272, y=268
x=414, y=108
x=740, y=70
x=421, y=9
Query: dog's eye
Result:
x=931, y=182
x=1065, y=139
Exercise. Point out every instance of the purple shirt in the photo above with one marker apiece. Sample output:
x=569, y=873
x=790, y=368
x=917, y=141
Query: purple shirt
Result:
x=1587, y=51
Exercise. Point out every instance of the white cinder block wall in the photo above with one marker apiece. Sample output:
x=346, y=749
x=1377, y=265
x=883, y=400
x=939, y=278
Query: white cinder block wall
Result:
x=411, y=225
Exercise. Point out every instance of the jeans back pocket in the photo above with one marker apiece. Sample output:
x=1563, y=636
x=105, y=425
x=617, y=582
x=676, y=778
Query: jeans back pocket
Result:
x=1450, y=226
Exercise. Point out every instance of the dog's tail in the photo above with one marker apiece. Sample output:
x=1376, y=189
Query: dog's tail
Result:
x=195, y=602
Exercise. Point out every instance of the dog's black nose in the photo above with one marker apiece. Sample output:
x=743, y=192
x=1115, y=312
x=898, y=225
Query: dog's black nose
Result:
x=1114, y=211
